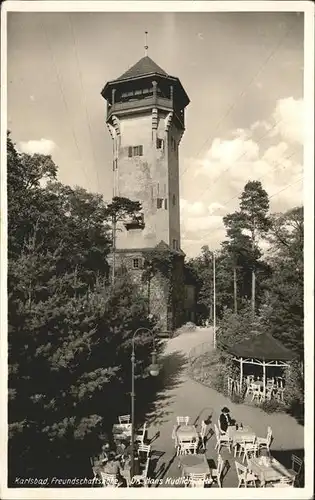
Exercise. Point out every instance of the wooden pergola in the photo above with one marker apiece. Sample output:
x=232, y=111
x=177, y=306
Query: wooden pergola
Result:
x=260, y=349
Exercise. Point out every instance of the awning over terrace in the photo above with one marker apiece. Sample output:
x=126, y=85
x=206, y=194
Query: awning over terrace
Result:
x=260, y=349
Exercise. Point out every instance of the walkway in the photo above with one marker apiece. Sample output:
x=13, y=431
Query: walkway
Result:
x=191, y=398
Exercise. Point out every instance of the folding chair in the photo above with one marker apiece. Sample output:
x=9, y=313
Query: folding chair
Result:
x=244, y=476
x=124, y=419
x=296, y=468
x=182, y=420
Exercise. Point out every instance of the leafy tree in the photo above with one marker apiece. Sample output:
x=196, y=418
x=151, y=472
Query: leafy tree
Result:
x=202, y=269
x=283, y=312
x=235, y=327
x=69, y=335
x=122, y=210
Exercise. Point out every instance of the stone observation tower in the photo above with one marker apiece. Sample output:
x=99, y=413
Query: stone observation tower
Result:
x=146, y=120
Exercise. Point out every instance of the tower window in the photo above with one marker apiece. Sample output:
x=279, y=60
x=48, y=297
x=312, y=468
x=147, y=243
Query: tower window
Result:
x=173, y=144
x=135, y=151
x=136, y=263
x=165, y=203
x=175, y=245
x=159, y=202
x=174, y=200
x=159, y=143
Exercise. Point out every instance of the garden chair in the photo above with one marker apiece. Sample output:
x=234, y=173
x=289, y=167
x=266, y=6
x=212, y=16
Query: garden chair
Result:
x=196, y=480
x=257, y=392
x=280, y=394
x=142, y=479
x=230, y=382
x=182, y=420
x=109, y=480
x=186, y=448
x=296, y=468
x=222, y=440
x=95, y=473
x=141, y=433
x=285, y=482
x=265, y=442
x=217, y=473
x=144, y=448
x=250, y=450
x=239, y=447
x=244, y=476
x=237, y=387
x=124, y=419
x=249, y=390
x=202, y=434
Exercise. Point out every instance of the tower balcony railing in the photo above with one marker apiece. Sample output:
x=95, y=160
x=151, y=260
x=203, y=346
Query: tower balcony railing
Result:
x=144, y=103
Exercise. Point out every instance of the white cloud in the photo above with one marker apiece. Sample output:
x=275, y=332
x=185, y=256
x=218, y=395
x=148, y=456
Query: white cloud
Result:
x=200, y=224
x=41, y=146
x=223, y=171
x=289, y=116
x=263, y=124
x=216, y=207
x=230, y=151
x=195, y=209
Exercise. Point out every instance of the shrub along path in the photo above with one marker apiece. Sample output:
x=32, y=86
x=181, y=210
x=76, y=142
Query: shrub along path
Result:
x=198, y=401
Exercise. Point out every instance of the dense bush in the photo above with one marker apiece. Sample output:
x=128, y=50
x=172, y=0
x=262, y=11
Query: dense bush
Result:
x=272, y=406
x=212, y=369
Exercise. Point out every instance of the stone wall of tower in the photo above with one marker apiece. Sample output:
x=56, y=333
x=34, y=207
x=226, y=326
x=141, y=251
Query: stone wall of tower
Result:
x=149, y=177
x=174, y=137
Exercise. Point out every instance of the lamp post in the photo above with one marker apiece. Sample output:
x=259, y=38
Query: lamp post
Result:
x=154, y=371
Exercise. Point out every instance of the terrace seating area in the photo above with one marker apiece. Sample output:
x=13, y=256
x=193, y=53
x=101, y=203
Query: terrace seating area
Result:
x=245, y=451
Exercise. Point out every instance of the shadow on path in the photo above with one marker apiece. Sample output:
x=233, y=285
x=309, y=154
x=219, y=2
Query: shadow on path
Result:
x=154, y=394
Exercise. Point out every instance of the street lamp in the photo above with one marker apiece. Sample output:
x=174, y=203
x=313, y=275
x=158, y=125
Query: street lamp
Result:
x=154, y=371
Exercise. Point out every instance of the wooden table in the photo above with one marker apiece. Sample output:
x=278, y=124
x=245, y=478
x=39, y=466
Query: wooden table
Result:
x=122, y=432
x=240, y=434
x=194, y=464
x=186, y=433
x=268, y=473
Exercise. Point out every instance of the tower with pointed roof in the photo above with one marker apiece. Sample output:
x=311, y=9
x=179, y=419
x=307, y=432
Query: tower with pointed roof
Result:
x=146, y=120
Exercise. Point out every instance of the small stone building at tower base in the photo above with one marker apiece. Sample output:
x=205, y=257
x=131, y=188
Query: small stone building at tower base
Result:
x=165, y=288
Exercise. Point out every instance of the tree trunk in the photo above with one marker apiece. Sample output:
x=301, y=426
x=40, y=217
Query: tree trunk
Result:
x=235, y=289
x=253, y=290
x=253, y=269
x=149, y=294
x=114, y=251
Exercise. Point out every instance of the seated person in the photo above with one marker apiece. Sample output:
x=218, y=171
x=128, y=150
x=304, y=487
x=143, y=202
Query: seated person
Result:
x=113, y=467
x=103, y=457
x=225, y=420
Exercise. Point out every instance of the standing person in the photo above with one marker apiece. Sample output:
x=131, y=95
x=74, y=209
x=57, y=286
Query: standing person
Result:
x=225, y=419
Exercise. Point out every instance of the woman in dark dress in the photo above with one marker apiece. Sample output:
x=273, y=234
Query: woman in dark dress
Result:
x=225, y=419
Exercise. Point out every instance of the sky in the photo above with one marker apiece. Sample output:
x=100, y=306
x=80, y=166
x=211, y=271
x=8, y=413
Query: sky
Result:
x=243, y=72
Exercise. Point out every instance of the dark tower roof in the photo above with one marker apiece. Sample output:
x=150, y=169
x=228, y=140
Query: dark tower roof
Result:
x=143, y=67
x=143, y=70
